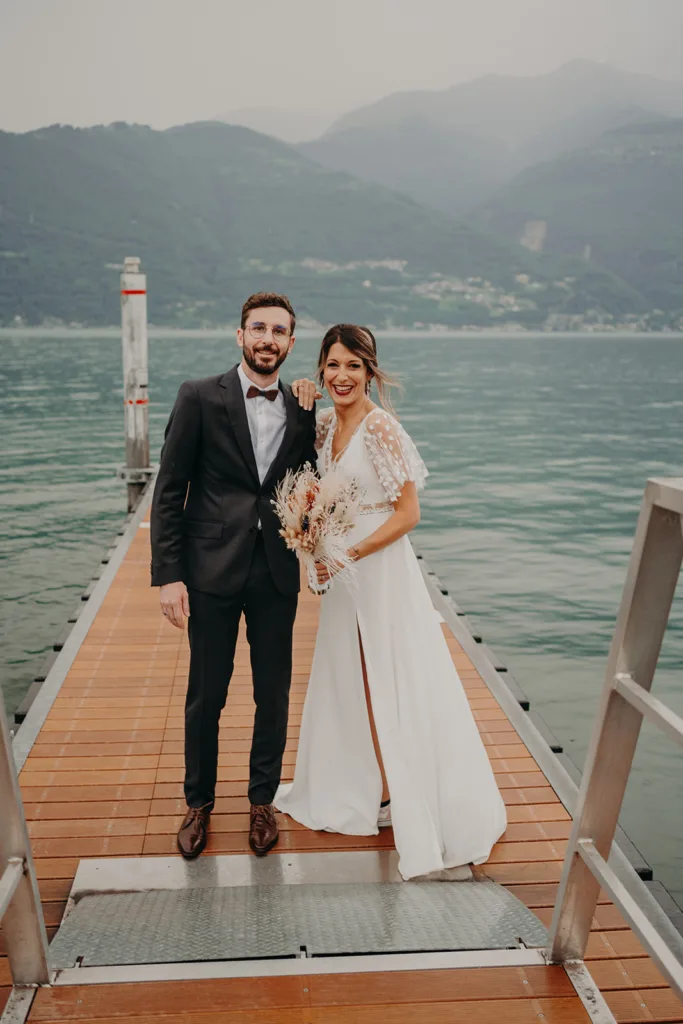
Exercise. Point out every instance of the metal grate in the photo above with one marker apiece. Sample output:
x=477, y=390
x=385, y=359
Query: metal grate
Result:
x=259, y=922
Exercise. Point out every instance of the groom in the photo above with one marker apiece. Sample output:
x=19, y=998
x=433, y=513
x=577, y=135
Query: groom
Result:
x=217, y=553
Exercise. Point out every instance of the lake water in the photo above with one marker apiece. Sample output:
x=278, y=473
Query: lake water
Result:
x=538, y=448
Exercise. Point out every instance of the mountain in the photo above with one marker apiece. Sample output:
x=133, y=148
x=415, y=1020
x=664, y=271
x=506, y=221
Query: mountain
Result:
x=515, y=109
x=217, y=211
x=286, y=124
x=451, y=171
x=616, y=201
x=456, y=145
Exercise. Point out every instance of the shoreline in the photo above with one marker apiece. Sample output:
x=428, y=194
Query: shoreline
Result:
x=104, y=333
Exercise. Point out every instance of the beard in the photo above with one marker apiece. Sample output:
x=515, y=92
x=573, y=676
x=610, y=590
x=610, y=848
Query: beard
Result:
x=251, y=359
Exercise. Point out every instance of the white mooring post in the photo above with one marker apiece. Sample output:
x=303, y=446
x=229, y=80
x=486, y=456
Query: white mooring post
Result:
x=136, y=472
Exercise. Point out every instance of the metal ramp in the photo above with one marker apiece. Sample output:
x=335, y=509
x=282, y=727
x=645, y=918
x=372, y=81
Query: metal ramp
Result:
x=299, y=907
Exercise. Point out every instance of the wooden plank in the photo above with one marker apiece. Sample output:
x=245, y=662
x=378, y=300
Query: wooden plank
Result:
x=94, y=763
x=543, y=894
x=300, y=841
x=513, y=1011
x=223, y=1016
x=77, y=1002
x=96, y=846
x=638, y=972
x=527, y=853
x=490, y=1011
x=131, y=776
x=86, y=827
x=609, y=945
x=516, y=873
x=85, y=750
x=528, y=795
x=237, y=820
x=234, y=822
x=471, y=984
x=630, y=1007
x=54, y=888
x=56, y=867
x=41, y=795
x=105, y=809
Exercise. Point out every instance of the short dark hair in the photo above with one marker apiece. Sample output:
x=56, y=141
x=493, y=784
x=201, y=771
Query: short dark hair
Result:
x=260, y=299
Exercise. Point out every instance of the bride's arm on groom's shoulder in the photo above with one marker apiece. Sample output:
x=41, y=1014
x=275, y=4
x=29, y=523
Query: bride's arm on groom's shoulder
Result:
x=310, y=454
x=306, y=392
x=178, y=455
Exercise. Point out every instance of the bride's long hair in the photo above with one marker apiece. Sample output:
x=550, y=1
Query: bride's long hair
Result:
x=360, y=341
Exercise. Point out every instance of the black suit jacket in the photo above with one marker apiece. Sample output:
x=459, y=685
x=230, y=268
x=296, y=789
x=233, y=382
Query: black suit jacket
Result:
x=208, y=500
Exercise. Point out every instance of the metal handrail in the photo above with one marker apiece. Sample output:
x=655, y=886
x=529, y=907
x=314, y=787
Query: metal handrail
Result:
x=21, y=914
x=651, y=580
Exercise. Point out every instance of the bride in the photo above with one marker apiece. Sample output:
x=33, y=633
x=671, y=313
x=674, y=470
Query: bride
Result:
x=387, y=735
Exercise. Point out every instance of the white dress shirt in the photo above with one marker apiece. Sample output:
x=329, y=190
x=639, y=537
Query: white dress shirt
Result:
x=266, y=423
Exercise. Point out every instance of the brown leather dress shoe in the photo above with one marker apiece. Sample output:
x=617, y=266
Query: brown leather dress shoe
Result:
x=192, y=832
x=263, y=830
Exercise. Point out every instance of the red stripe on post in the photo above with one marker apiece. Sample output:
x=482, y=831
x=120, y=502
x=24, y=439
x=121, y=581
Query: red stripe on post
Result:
x=138, y=401
x=133, y=291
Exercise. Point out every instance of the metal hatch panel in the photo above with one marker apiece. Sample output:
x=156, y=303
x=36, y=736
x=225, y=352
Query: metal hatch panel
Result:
x=237, y=922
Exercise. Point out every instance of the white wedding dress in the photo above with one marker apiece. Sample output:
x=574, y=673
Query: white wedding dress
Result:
x=446, y=809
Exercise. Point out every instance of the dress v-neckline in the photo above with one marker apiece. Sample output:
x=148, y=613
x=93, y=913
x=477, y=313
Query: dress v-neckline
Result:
x=334, y=459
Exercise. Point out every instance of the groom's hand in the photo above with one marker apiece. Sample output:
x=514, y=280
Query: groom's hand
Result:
x=175, y=603
x=307, y=393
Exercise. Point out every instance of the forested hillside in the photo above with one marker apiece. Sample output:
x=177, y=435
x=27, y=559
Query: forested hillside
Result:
x=213, y=211
x=618, y=202
x=217, y=211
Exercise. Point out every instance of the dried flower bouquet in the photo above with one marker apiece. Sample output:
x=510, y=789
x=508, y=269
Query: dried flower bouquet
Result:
x=316, y=514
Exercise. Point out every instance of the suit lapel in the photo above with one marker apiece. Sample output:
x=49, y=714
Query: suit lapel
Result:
x=292, y=410
x=233, y=400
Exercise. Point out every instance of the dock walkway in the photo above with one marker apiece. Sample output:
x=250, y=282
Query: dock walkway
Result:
x=103, y=778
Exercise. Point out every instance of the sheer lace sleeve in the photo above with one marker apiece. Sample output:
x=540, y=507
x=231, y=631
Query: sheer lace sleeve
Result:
x=323, y=422
x=393, y=454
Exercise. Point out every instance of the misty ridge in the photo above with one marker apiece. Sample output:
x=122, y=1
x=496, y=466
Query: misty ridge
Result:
x=550, y=202
x=452, y=148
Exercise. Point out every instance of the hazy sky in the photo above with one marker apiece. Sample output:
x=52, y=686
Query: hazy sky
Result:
x=165, y=62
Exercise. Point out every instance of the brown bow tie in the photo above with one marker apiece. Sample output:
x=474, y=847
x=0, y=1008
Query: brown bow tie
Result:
x=255, y=392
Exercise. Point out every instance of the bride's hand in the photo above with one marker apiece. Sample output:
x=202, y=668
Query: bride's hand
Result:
x=306, y=392
x=324, y=573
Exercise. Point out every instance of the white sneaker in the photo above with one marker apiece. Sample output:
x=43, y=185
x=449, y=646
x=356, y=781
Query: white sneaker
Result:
x=384, y=817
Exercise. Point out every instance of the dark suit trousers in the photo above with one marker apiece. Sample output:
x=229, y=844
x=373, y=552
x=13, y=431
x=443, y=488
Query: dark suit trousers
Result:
x=213, y=627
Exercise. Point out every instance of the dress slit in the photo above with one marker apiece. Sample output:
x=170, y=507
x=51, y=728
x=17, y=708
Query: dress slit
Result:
x=372, y=721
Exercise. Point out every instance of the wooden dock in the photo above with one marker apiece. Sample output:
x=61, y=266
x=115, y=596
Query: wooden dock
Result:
x=104, y=779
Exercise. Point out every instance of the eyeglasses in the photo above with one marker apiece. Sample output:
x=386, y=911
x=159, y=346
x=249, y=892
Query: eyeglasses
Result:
x=259, y=330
